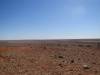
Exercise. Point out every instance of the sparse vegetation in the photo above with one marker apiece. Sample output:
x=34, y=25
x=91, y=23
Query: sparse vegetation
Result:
x=49, y=58
x=61, y=57
x=88, y=45
x=80, y=45
x=98, y=45
x=72, y=61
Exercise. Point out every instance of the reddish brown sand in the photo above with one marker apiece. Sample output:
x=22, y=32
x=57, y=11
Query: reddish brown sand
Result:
x=55, y=57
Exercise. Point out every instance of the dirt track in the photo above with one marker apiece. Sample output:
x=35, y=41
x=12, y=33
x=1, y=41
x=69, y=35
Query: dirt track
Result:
x=72, y=57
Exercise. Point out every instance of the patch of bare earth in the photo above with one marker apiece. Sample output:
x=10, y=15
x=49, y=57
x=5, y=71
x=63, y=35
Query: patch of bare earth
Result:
x=50, y=58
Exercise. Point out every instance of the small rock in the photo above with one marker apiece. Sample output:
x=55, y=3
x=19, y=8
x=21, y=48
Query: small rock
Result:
x=72, y=61
x=60, y=57
x=79, y=74
x=96, y=71
x=60, y=65
x=86, y=66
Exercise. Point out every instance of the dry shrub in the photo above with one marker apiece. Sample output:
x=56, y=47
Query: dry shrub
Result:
x=88, y=45
x=80, y=45
x=44, y=47
x=98, y=45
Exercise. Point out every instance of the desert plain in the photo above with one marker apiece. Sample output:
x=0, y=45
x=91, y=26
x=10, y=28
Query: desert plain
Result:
x=50, y=57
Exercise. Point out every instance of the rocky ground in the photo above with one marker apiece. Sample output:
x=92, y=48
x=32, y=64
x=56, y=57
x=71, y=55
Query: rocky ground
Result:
x=50, y=58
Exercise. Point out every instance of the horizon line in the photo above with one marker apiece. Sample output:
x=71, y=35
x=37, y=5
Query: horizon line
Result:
x=54, y=39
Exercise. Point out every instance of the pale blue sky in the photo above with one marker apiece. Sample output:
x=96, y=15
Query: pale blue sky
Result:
x=49, y=19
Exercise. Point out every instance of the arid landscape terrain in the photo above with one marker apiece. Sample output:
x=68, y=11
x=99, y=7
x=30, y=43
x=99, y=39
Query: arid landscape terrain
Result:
x=50, y=57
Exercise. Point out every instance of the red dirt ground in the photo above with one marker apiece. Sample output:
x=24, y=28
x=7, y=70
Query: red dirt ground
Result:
x=55, y=57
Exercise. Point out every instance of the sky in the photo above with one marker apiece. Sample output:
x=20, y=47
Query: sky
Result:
x=49, y=19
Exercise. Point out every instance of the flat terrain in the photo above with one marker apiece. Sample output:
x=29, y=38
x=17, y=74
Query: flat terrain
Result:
x=50, y=57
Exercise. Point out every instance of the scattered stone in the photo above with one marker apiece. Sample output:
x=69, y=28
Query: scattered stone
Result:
x=79, y=74
x=63, y=61
x=71, y=70
x=60, y=57
x=78, y=58
x=72, y=61
x=86, y=66
x=93, y=63
x=96, y=71
x=93, y=53
x=60, y=65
